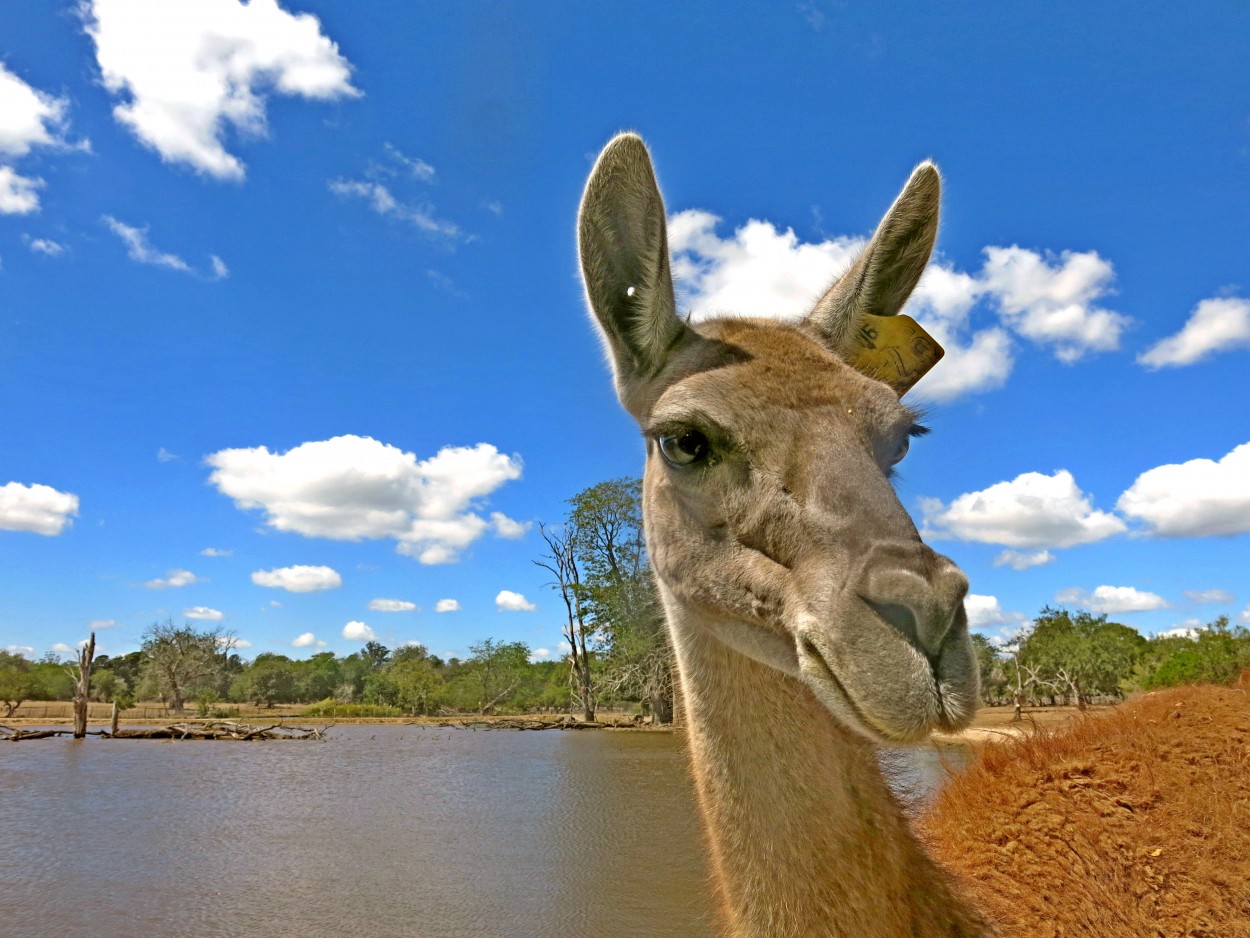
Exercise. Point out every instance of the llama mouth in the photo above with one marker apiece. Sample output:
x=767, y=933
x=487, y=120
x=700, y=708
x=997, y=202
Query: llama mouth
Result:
x=821, y=675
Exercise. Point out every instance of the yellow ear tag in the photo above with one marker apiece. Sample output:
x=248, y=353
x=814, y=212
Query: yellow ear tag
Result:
x=893, y=349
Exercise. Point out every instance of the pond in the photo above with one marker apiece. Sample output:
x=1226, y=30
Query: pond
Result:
x=381, y=830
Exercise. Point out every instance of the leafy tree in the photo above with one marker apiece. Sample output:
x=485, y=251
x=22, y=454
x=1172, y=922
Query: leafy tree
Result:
x=579, y=631
x=493, y=673
x=993, y=675
x=18, y=682
x=416, y=679
x=1216, y=654
x=270, y=679
x=181, y=663
x=1080, y=654
x=620, y=595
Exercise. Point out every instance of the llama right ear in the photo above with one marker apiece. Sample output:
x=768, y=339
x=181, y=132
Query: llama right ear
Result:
x=623, y=244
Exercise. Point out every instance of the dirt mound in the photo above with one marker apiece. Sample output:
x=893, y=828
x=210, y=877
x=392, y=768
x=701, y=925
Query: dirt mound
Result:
x=1133, y=823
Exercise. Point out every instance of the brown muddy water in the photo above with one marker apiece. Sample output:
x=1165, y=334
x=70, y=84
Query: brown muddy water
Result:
x=380, y=831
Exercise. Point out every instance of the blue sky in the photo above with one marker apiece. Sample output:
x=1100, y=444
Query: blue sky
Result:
x=289, y=296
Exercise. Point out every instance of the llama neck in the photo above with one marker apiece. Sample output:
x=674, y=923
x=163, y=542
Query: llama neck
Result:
x=805, y=837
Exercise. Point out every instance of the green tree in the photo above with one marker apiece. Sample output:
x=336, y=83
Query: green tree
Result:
x=270, y=679
x=18, y=682
x=619, y=593
x=494, y=672
x=579, y=630
x=181, y=663
x=1080, y=654
x=416, y=679
x=1215, y=654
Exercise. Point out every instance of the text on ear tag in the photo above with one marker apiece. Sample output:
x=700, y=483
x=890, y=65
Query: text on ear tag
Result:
x=893, y=349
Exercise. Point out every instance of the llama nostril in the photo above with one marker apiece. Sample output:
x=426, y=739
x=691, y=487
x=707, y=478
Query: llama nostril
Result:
x=897, y=615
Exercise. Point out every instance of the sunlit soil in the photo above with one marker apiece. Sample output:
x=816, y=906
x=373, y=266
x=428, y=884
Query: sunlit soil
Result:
x=1130, y=822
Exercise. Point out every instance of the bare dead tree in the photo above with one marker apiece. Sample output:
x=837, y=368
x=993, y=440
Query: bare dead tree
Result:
x=81, y=673
x=561, y=562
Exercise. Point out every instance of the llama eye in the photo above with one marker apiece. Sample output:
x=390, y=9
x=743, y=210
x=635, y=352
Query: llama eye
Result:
x=684, y=449
x=900, y=451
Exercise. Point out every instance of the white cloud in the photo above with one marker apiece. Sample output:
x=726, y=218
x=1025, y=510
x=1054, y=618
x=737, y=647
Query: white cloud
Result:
x=447, y=605
x=62, y=649
x=307, y=640
x=172, y=580
x=232, y=641
x=763, y=271
x=188, y=71
x=45, y=246
x=391, y=605
x=1050, y=299
x=1022, y=560
x=540, y=654
x=96, y=624
x=506, y=528
x=28, y=119
x=1210, y=596
x=1198, y=498
x=383, y=202
x=204, y=612
x=1112, y=599
x=299, y=578
x=140, y=250
x=1187, y=629
x=351, y=487
x=508, y=601
x=358, y=632
x=985, y=611
x=1215, y=325
x=1030, y=511
x=164, y=455
x=20, y=649
x=219, y=269
x=417, y=167
x=215, y=552
x=19, y=195
x=40, y=509
x=1244, y=616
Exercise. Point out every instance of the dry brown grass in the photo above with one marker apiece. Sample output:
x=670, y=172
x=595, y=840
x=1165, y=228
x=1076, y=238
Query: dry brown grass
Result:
x=1135, y=822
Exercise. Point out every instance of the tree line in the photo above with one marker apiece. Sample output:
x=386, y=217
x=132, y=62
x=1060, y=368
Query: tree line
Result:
x=616, y=650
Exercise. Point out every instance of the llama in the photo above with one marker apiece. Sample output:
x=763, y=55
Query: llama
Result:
x=808, y=618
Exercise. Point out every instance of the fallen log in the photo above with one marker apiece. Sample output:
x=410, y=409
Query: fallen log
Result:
x=182, y=731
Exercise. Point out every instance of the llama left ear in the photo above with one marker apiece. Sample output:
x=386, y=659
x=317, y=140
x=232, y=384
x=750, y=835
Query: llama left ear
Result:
x=858, y=315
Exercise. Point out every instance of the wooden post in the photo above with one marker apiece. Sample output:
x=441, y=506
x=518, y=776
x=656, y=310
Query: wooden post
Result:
x=113, y=719
x=83, y=687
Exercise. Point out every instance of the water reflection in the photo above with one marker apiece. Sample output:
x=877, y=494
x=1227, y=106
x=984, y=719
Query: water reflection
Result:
x=383, y=830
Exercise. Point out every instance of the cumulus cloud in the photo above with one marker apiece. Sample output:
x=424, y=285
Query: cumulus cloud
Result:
x=506, y=528
x=358, y=632
x=447, y=605
x=351, y=487
x=1187, y=629
x=1210, y=596
x=232, y=641
x=215, y=552
x=1022, y=560
x=307, y=640
x=391, y=605
x=508, y=601
x=29, y=118
x=761, y=270
x=1030, y=511
x=20, y=649
x=540, y=654
x=985, y=611
x=1051, y=299
x=40, y=509
x=204, y=612
x=299, y=578
x=172, y=580
x=1215, y=325
x=62, y=649
x=1198, y=498
x=140, y=250
x=188, y=72
x=1111, y=599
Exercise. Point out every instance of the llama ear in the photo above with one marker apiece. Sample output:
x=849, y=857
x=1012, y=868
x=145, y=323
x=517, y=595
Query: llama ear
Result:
x=623, y=244
x=858, y=315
